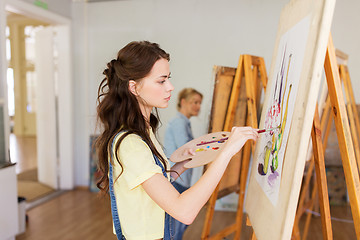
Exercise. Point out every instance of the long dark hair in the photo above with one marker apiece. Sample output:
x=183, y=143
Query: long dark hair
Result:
x=118, y=108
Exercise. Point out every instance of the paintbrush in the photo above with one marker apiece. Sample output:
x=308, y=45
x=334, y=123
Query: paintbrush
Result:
x=213, y=141
x=224, y=139
x=267, y=130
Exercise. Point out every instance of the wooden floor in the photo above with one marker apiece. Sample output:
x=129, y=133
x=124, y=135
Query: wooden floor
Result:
x=23, y=152
x=81, y=214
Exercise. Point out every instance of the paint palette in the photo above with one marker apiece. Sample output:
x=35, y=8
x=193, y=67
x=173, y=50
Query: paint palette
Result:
x=206, y=147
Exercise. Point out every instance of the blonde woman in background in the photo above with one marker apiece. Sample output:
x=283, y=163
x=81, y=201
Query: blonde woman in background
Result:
x=178, y=132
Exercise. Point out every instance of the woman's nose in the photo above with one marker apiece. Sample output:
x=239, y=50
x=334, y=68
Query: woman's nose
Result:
x=170, y=87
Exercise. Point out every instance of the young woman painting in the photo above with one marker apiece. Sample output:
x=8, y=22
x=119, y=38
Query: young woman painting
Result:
x=134, y=168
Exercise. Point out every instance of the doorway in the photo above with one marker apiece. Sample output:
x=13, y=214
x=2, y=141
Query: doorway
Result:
x=22, y=103
x=60, y=166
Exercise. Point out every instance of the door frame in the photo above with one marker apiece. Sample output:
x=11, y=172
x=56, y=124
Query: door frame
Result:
x=65, y=138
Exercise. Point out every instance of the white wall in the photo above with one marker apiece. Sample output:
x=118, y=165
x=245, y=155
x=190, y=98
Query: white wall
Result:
x=81, y=85
x=198, y=34
x=346, y=36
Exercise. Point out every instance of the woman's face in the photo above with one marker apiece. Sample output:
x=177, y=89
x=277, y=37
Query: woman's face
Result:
x=155, y=89
x=191, y=105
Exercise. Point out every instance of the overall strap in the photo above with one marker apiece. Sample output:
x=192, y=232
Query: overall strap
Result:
x=169, y=226
x=114, y=211
x=157, y=161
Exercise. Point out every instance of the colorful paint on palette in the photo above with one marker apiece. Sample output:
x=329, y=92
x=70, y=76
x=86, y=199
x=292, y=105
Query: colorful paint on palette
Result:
x=200, y=150
x=213, y=141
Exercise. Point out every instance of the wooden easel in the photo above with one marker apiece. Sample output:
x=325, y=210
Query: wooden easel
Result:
x=318, y=162
x=325, y=126
x=253, y=70
x=353, y=119
x=346, y=149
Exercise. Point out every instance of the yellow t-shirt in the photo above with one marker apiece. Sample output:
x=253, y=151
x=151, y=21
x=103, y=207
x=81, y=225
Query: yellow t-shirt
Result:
x=140, y=217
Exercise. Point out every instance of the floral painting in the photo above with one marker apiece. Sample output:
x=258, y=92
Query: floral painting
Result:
x=280, y=108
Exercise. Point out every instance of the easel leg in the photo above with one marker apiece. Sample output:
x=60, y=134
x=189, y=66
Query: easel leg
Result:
x=248, y=223
x=253, y=237
x=343, y=133
x=243, y=175
x=251, y=77
x=321, y=177
x=325, y=125
x=308, y=216
x=300, y=211
x=318, y=162
x=209, y=214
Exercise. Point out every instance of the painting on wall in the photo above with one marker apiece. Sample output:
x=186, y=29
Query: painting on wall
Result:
x=289, y=106
x=280, y=108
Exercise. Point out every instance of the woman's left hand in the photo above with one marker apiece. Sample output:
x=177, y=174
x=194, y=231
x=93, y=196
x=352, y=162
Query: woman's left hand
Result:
x=179, y=166
x=185, y=156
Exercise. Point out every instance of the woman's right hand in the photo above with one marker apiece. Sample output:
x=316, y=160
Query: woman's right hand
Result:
x=237, y=139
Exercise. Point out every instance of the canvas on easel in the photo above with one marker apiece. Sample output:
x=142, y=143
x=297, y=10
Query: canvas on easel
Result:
x=290, y=100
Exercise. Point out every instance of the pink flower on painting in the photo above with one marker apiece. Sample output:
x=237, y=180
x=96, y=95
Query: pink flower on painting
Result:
x=272, y=115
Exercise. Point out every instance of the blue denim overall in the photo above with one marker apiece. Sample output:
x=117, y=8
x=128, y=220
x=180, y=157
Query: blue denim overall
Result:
x=169, y=221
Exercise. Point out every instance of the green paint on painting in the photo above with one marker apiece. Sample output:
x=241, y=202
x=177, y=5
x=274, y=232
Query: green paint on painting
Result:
x=41, y=4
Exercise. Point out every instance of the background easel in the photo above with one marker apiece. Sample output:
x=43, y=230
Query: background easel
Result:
x=346, y=149
x=231, y=97
x=325, y=126
x=352, y=114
